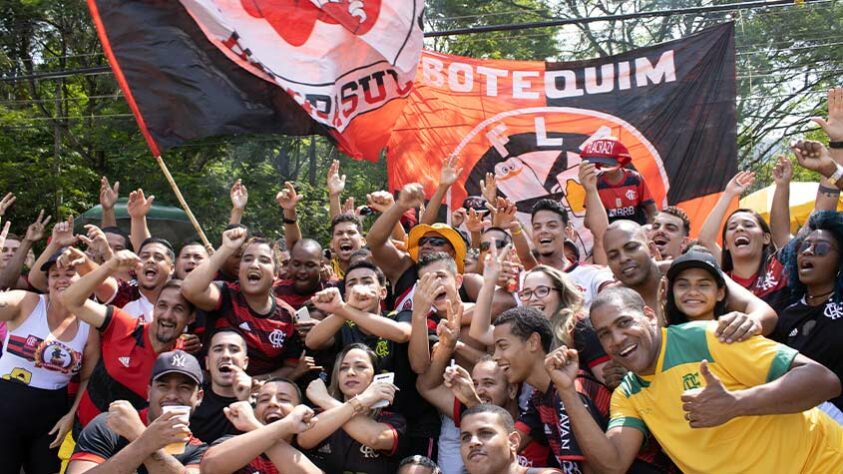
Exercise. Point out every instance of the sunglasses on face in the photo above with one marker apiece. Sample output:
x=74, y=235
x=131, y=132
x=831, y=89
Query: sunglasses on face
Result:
x=433, y=241
x=485, y=246
x=540, y=292
x=821, y=248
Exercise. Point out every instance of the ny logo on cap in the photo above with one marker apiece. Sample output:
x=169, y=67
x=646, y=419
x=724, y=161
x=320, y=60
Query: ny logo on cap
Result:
x=178, y=360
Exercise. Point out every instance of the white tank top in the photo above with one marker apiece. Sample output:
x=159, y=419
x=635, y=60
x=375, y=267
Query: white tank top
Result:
x=32, y=355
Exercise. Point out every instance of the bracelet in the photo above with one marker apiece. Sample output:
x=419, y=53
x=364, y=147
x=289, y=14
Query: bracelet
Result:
x=838, y=173
x=356, y=405
x=835, y=144
x=289, y=221
x=517, y=231
x=826, y=190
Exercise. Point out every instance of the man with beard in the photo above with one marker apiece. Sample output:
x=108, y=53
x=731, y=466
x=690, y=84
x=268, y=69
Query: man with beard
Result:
x=129, y=347
x=248, y=306
x=670, y=231
x=125, y=440
x=631, y=258
x=551, y=229
x=137, y=298
x=400, y=267
x=522, y=341
x=268, y=429
x=305, y=275
x=226, y=363
x=755, y=399
x=489, y=443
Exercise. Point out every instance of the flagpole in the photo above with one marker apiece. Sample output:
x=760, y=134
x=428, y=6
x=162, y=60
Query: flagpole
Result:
x=184, y=205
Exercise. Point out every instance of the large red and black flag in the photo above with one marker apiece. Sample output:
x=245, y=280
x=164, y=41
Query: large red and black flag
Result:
x=198, y=68
x=672, y=105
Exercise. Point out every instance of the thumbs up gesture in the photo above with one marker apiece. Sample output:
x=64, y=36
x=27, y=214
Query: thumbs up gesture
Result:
x=711, y=405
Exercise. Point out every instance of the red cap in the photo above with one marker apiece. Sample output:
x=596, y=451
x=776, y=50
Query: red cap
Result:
x=607, y=147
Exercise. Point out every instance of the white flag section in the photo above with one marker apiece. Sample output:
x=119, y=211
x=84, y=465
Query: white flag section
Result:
x=337, y=58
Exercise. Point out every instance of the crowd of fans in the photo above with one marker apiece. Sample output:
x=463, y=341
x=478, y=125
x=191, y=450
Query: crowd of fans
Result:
x=484, y=346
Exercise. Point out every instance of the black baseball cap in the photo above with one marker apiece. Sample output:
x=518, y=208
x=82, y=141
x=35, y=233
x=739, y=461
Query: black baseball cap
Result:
x=45, y=267
x=696, y=258
x=177, y=362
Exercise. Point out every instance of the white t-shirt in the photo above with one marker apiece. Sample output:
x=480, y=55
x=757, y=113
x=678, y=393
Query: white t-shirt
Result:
x=140, y=308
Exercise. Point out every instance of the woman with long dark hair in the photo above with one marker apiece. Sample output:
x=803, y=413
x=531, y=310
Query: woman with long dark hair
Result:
x=352, y=434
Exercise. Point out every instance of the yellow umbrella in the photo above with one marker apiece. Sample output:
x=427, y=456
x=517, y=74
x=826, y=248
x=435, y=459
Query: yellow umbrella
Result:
x=802, y=199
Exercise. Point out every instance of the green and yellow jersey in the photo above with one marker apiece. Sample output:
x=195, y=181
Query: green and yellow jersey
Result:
x=800, y=442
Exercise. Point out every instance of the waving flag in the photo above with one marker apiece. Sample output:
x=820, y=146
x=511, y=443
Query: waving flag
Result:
x=197, y=68
x=672, y=105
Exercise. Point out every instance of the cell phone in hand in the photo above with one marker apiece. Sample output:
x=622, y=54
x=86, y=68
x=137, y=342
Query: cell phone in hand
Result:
x=388, y=377
x=303, y=314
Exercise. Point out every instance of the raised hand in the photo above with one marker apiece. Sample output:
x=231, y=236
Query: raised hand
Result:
x=359, y=295
x=108, y=193
x=234, y=238
x=493, y=263
x=328, y=300
x=427, y=289
x=306, y=364
x=588, y=176
x=348, y=207
x=783, y=171
x=70, y=258
x=139, y=205
x=449, y=328
x=458, y=217
x=63, y=233
x=740, y=183
x=6, y=202
x=711, y=405
x=336, y=183
x=35, y=231
x=288, y=198
x=411, y=196
x=96, y=241
x=243, y=384
x=459, y=382
x=380, y=200
x=562, y=366
x=814, y=156
x=301, y=419
x=450, y=173
x=833, y=125
x=489, y=188
x=239, y=195
x=242, y=416
x=124, y=260
x=736, y=326
x=475, y=223
x=377, y=391
x=5, y=233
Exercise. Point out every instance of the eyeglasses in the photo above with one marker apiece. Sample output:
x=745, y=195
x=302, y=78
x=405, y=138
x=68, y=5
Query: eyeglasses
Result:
x=540, y=292
x=821, y=248
x=499, y=244
x=433, y=241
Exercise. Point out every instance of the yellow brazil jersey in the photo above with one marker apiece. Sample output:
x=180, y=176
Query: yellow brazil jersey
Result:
x=800, y=442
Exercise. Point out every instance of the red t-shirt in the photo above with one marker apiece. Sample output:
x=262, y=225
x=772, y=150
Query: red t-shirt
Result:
x=627, y=198
x=124, y=368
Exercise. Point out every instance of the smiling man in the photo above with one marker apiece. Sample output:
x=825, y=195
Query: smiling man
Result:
x=489, y=441
x=714, y=407
x=129, y=347
x=137, y=298
x=248, y=306
x=346, y=238
x=125, y=440
x=670, y=231
x=305, y=274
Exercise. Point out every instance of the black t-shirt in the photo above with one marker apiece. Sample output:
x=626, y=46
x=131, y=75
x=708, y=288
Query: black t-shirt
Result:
x=588, y=345
x=208, y=422
x=340, y=453
x=260, y=465
x=816, y=332
x=97, y=443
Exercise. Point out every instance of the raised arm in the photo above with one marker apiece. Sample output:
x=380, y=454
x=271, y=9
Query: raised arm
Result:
x=239, y=198
x=426, y=291
x=780, y=207
x=108, y=199
x=596, y=219
x=10, y=275
x=138, y=207
x=714, y=222
x=62, y=237
x=447, y=177
x=481, y=319
x=380, y=201
x=76, y=296
x=324, y=333
x=336, y=185
x=816, y=157
x=288, y=198
x=198, y=286
x=393, y=261
x=76, y=259
x=611, y=452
